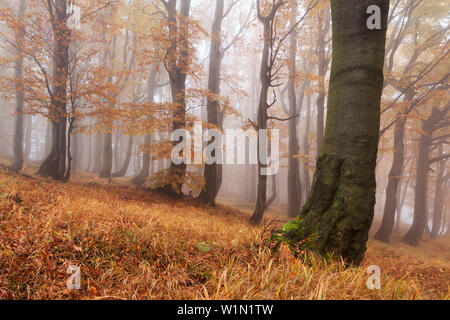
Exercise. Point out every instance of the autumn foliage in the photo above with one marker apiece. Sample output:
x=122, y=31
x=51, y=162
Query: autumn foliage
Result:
x=132, y=244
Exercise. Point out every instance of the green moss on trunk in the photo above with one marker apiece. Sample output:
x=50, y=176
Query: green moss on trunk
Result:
x=339, y=212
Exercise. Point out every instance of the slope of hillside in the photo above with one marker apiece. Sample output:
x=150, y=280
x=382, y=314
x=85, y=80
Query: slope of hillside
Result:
x=132, y=244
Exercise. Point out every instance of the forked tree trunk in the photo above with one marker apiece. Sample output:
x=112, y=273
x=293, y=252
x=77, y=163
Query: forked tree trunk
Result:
x=177, y=64
x=339, y=212
x=262, y=118
x=213, y=171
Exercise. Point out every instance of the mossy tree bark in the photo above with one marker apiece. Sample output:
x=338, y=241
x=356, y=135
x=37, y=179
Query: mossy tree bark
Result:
x=339, y=211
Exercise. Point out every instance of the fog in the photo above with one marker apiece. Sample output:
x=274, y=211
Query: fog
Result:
x=119, y=86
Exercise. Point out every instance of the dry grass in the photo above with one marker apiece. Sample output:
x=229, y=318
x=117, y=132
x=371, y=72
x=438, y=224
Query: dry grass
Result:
x=132, y=244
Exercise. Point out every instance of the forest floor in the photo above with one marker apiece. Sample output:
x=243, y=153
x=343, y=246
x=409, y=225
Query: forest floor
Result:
x=132, y=244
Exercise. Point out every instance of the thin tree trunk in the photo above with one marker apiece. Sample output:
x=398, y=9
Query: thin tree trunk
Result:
x=18, y=156
x=390, y=206
x=438, y=198
x=417, y=229
x=123, y=171
x=294, y=183
x=323, y=68
x=401, y=203
x=28, y=135
x=75, y=151
x=146, y=161
x=266, y=78
x=213, y=171
x=117, y=150
x=306, y=147
x=97, y=154
x=107, y=156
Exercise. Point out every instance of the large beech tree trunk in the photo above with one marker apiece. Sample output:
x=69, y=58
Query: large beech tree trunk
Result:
x=339, y=212
x=54, y=165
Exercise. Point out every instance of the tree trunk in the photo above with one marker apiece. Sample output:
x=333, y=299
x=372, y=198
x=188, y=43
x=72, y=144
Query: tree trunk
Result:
x=337, y=217
x=438, y=198
x=123, y=171
x=97, y=154
x=146, y=161
x=262, y=115
x=387, y=224
x=117, y=150
x=107, y=156
x=18, y=157
x=28, y=135
x=401, y=203
x=76, y=151
x=417, y=229
x=294, y=183
x=323, y=68
x=55, y=164
x=213, y=171
x=306, y=147
x=178, y=59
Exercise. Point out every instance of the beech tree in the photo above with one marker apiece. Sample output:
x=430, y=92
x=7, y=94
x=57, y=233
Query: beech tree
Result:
x=339, y=212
